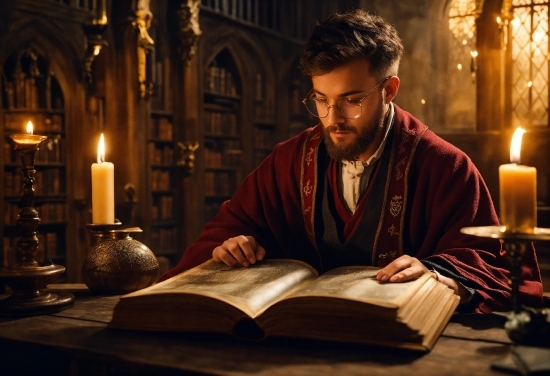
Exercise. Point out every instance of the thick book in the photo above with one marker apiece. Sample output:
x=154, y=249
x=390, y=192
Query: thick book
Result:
x=289, y=298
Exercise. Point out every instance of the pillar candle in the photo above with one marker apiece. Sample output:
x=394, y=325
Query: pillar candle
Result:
x=103, y=192
x=518, y=191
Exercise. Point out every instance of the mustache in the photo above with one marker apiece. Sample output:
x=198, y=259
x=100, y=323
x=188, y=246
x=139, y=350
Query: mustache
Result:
x=340, y=128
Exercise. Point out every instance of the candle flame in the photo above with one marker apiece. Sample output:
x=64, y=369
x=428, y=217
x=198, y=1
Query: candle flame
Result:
x=29, y=127
x=515, y=147
x=101, y=150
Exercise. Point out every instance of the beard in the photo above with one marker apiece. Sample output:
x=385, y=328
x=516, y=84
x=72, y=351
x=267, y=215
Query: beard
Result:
x=342, y=150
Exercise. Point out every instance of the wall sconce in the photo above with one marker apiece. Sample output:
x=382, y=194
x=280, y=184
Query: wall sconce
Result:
x=94, y=42
x=141, y=20
x=473, y=65
x=186, y=158
x=189, y=29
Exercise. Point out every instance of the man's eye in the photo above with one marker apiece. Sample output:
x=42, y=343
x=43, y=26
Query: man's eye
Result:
x=353, y=102
x=320, y=100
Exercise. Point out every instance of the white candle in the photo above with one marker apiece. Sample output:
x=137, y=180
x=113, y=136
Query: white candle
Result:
x=103, y=192
x=518, y=191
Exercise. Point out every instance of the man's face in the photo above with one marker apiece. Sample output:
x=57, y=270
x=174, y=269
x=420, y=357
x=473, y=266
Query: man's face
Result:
x=352, y=139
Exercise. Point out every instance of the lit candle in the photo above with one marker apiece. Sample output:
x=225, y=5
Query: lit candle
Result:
x=29, y=138
x=103, y=193
x=518, y=191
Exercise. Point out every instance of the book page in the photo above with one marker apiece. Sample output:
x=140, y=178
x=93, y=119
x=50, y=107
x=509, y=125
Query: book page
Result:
x=252, y=288
x=356, y=283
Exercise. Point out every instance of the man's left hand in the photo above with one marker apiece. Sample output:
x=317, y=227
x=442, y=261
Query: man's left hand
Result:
x=402, y=269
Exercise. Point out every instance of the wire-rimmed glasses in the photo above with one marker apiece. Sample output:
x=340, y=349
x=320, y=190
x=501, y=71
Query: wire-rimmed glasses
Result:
x=348, y=107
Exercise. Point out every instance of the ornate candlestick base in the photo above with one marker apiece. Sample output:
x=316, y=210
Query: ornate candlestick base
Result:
x=26, y=277
x=525, y=325
x=26, y=298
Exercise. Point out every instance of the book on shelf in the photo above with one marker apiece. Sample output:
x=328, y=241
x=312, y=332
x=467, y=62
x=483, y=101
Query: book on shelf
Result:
x=288, y=298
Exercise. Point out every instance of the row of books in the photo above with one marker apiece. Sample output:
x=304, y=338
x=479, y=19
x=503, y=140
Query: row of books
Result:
x=160, y=155
x=163, y=239
x=160, y=180
x=46, y=182
x=42, y=123
x=162, y=89
x=263, y=138
x=161, y=128
x=220, y=123
x=22, y=92
x=219, y=183
x=53, y=212
x=223, y=158
x=220, y=80
x=162, y=208
x=47, y=248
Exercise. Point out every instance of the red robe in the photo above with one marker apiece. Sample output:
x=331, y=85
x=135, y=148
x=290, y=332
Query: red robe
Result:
x=442, y=191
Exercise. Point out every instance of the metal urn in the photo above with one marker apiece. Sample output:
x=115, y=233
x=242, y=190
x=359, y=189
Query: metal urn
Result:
x=118, y=264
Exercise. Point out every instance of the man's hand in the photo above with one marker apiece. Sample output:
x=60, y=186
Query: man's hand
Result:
x=402, y=269
x=406, y=268
x=240, y=250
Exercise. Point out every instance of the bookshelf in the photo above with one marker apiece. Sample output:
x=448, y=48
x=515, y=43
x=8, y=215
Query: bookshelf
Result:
x=161, y=225
x=223, y=144
x=31, y=93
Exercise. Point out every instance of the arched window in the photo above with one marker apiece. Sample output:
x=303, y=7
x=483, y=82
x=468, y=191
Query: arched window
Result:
x=461, y=104
x=527, y=75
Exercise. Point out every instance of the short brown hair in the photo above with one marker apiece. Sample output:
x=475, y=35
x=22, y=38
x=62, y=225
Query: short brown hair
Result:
x=344, y=37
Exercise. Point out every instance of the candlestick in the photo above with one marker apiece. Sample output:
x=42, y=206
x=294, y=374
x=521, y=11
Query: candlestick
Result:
x=518, y=191
x=103, y=181
x=26, y=277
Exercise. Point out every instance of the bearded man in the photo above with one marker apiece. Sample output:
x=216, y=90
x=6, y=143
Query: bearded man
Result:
x=368, y=185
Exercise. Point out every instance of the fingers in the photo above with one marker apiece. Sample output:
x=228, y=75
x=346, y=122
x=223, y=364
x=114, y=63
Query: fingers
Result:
x=240, y=250
x=402, y=269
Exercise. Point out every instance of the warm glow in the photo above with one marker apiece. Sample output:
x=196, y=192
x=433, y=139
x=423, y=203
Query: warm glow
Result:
x=101, y=150
x=459, y=66
x=515, y=147
x=499, y=20
x=530, y=83
x=423, y=101
x=97, y=50
x=29, y=127
x=473, y=53
x=464, y=42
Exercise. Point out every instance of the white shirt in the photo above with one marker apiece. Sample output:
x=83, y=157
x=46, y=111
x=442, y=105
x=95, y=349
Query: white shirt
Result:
x=356, y=174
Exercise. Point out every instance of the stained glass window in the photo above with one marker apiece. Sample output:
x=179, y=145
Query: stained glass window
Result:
x=529, y=63
x=461, y=102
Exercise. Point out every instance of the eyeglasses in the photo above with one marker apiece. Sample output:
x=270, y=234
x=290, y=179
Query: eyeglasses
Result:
x=349, y=108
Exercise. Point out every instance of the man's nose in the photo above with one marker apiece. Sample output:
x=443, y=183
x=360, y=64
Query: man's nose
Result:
x=335, y=115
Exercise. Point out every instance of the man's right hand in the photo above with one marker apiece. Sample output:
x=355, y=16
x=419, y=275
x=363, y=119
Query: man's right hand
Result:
x=240, y=250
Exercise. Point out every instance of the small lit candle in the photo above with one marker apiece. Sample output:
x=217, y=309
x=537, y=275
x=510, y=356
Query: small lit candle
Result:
x=29, y=138
x=103, y=193
x=518, y=191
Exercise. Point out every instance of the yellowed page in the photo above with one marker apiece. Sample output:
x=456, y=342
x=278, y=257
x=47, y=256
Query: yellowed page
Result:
x=359, y=283
x=250, y=289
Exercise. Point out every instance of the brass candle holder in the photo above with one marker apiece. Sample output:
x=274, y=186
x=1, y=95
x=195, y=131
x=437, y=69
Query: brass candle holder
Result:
x=26, y=277
x=524, y=325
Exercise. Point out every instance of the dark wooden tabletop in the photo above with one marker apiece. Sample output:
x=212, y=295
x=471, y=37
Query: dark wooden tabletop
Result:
x=77, y=342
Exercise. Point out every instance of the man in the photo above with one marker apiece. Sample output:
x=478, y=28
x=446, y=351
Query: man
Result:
x=369, y=185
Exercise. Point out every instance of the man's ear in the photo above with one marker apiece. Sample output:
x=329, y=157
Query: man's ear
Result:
x=391, y=88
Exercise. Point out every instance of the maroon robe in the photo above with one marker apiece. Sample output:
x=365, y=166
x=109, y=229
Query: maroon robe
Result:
x=432, y=190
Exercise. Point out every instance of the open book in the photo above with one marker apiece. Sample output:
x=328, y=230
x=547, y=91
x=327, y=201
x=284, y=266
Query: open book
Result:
x=288, y=298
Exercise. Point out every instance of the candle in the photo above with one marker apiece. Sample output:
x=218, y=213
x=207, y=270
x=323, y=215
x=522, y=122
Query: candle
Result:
x=103, y=193
x=518, y=191
x=28, y=138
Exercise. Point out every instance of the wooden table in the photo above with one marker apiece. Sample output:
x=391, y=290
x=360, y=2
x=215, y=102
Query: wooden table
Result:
x=78, y=342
